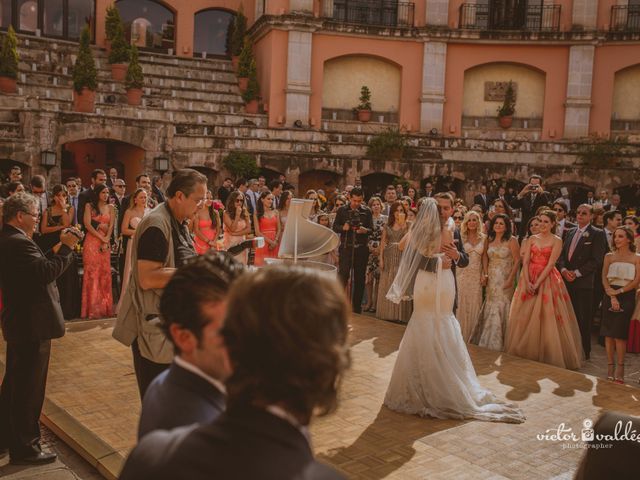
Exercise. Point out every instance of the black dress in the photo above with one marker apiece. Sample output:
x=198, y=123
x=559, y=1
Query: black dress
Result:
x=616, y=324
x=69, y=282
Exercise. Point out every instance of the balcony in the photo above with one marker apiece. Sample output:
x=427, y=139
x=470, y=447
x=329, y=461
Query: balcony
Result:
x=497, y=16
x=625, y=18
x=386, y=13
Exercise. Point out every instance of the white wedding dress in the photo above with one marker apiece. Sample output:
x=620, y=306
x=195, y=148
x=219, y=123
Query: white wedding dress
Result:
x=433, y=374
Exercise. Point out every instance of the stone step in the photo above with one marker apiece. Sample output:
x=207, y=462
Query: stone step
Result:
x=345, y=126
x=38, y=47
x=29, y=82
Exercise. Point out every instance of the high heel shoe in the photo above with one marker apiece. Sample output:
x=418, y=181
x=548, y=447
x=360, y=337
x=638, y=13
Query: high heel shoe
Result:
x=619, y=380
x=610, y=371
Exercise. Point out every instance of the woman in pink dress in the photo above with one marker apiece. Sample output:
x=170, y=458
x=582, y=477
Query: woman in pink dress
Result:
x=99, y=218
x=237, y=223
x=205, y=226
x=542, y=324
x=267, y=225
x=132, y=216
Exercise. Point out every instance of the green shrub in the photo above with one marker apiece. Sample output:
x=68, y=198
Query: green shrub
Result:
x=135, y=77
x=365, y=99
x=253, y=89
x=120, y=49
x=508, y=107
x=387, y=145
x=246, y=57
x=9, y=55
x=84, y=70
x=241, y=165
x=238, y=32
x=112, y=20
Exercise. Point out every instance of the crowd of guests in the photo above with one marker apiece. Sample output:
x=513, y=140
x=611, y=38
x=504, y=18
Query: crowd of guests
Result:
x=230, y=364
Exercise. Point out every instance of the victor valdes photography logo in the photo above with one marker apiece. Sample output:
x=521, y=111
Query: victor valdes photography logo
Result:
x=586, y=437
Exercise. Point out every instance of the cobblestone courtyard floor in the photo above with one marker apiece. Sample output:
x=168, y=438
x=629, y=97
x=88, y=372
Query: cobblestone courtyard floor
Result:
x=92, y=403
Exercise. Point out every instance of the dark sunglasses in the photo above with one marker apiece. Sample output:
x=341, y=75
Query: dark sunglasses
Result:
x=457, y=218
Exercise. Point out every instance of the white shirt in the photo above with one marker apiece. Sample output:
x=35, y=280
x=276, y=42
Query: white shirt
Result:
x=181, y=362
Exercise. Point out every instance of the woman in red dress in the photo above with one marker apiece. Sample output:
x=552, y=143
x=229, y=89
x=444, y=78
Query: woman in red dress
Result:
x=542, y=325
x=206, y=226
x=267, y=224
x=99, y=218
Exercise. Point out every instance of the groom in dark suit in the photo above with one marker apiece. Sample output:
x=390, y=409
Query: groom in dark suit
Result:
x=31, y=317
x=456, y=257
x=580, y=261
x=286, y=333
x=192, y=309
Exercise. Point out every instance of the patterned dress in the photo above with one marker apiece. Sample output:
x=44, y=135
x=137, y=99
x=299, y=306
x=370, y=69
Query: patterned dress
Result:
x=495, y=310
x=373, y=264
x=470, y=289
x=391, y=255
x=543, y=326
x=97, y=298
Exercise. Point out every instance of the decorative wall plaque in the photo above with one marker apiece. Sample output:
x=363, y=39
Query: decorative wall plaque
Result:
x=495, y=91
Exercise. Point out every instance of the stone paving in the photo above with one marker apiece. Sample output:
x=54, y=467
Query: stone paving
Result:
x=91, y=378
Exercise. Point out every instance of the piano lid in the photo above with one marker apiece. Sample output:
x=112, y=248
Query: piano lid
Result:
x=313, y=239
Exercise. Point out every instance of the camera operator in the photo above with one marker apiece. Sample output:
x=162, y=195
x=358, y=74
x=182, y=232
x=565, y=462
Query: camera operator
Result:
x=529, y=200
x=354, y=223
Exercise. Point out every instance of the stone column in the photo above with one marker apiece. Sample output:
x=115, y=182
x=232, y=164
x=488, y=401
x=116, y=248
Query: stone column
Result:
x=298, y=88
x=585, y=14
x=437, y=12
x=305, y=6
x=433, y=72
x=578, y=104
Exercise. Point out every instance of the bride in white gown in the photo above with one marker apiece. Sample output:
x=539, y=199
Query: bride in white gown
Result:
x=433, y=374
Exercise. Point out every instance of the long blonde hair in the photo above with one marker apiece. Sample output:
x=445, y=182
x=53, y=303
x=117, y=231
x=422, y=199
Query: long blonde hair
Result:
x=463, y=228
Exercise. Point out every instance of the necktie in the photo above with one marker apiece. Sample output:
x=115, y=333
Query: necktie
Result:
x=574, y=243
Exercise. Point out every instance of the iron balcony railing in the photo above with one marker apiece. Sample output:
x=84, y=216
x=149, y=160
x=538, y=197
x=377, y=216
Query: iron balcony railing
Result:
x=625, y=18
x=501, y=15
x=386, y=13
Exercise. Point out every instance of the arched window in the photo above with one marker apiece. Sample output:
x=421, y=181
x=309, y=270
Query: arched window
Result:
x=148, y=24
x=54, y=18
x=211, y=34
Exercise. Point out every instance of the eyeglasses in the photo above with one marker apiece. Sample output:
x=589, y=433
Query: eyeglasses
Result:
x=239, y=200
x=457, y=218
x=119, y=186
x=558, y=209
x=34, y=215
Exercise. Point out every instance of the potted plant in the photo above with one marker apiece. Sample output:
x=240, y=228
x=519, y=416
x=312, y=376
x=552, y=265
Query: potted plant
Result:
x=238, y=32
x=508, y=108
x=111, y=23
x=364, y=108
x=134, y=80
x=244, y=65
x=252, y=93
x=388, y=145
x=9, y=62
x=120, y=55
x=85, y=77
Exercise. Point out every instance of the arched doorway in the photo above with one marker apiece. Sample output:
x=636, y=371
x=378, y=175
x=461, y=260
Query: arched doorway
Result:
x=630, y=197
x=148, y=24
x=316, y=179
x=211, y=174
x=54, y=18
x=211, y=32
x=376, y=183
x=444, y=183
x=80, y=158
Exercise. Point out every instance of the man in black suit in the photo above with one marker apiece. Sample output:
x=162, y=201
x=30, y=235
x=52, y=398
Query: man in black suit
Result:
x=192, y=309
x=287, y=357
x=354, y=224
x=529, y=200
x=483, y=199
x=562, y=224
x=98, y=177
x=225, y=190
x=31, y=317
x=455, y=255
x=580, y=261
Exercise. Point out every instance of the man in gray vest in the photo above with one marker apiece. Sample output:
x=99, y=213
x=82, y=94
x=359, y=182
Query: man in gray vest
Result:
x=161, y=244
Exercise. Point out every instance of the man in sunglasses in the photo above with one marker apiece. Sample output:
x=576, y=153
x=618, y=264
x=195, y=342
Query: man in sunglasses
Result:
x=32, y=316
